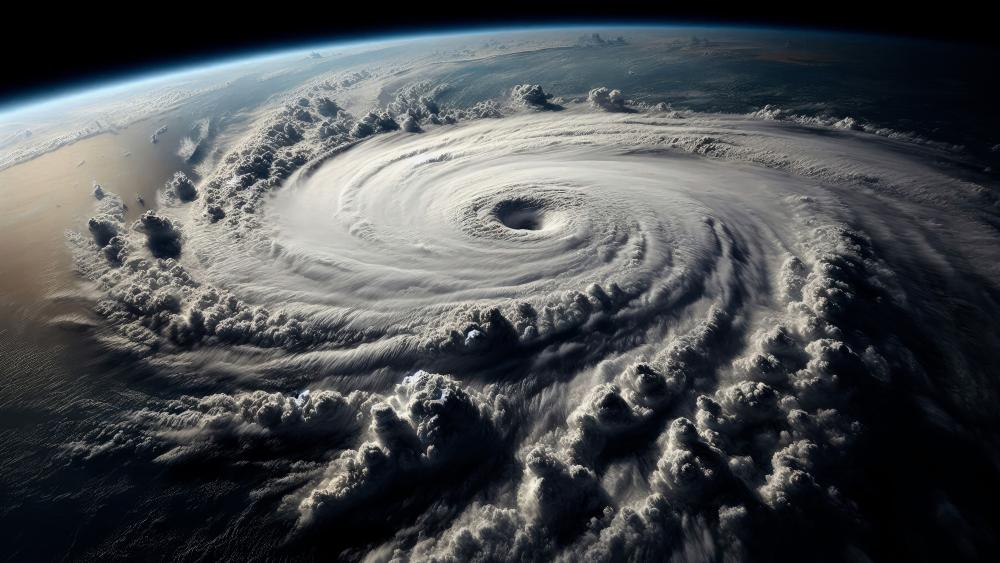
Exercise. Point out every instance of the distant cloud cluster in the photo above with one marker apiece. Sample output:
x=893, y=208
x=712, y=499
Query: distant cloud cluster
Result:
x=775, y=113
x=532, y=95
x=608, y=100
x=595, y=40
x=160, y=131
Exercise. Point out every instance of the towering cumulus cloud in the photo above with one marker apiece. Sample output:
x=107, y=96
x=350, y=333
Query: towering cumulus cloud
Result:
x=600, y=333
x=608, y=100
x=181, y=187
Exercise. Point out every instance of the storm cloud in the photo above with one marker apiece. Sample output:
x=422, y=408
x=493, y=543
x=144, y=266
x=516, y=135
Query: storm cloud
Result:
x=181, y=187
x=532, y=95
x=163, y=238
x=608, y=100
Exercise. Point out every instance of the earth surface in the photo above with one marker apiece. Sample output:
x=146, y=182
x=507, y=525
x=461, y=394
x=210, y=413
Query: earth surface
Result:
x=603, y=294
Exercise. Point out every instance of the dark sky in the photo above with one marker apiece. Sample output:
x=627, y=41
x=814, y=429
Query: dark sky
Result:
x=50, y=48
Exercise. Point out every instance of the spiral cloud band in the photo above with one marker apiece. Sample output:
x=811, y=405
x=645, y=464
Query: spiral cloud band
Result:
x=564, y=334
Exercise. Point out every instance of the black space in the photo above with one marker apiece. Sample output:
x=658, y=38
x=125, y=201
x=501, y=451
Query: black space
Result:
x=50, y=49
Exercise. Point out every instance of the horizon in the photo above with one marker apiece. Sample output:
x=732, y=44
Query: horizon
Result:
x=35, y=98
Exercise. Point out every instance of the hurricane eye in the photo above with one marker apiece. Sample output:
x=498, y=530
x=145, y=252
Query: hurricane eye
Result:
x=521, y=215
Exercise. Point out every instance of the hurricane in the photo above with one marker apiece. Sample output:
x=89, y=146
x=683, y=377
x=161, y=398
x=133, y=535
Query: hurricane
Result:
x=610, y=292
x=577, y=331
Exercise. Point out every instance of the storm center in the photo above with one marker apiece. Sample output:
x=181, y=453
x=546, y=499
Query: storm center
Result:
x=522, y=215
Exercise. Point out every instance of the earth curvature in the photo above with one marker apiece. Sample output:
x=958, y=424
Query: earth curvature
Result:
x=618, y=293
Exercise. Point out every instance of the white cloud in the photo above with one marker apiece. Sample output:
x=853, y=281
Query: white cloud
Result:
x=662, y=334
